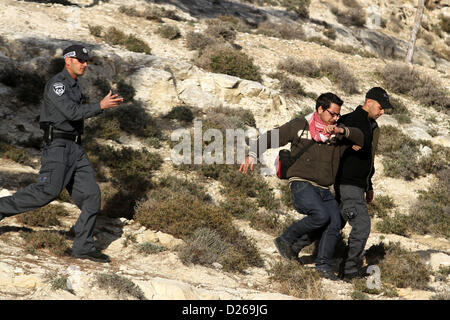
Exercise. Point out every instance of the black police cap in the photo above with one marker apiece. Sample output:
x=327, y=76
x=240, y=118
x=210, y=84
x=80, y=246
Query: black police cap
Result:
x=76, y=51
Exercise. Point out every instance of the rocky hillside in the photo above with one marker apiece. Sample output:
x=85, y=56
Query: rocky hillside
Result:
x=232, y=64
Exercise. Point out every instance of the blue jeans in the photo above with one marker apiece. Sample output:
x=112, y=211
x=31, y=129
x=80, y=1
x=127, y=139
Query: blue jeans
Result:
x=322, y=211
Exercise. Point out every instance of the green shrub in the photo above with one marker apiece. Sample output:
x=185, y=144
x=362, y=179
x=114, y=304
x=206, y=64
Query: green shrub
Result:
x=114, y=36
x=282, y=30
x=133, y=43
x=205, y=247
x=381, y=206
x=222, y=59
x=126, y=91
x=169, y=32
x=132, y=119
x=431, y=212
x=398, y=224
x=403, y=268
x=330, y=33
x=296, y=280
x=221, y=31
x=120, y=285
x=292, y=88
x=181, y=113
x=445, y=23
x=57, y=282
x=43, y=217
x=339, y=73
x=182, y=214
x=28, y=85
x=300, y=7
x=401, y=155
x=306, y=68
x=352, y=17
x=13, y=153
x=403, y=79
x=54, y=242
x=150, y=248
x=198, y=41
x=96, y=31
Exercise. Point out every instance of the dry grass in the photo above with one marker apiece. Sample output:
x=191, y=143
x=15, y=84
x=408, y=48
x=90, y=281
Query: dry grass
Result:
x=296, y=280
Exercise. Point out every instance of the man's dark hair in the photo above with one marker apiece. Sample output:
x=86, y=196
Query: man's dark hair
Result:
x=325, y=99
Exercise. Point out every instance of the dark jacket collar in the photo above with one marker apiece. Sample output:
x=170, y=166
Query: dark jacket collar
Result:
x=69, y=78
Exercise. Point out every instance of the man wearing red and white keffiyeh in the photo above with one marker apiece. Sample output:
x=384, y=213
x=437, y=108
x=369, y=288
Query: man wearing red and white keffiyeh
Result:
x=319, y=129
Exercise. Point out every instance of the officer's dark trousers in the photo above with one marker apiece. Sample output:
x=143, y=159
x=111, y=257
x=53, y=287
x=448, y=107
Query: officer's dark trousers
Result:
x=354, y=210
x=64, y=165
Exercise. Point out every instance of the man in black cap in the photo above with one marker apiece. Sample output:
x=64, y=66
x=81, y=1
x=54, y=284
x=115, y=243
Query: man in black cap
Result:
x=353, y=186
x=64, y=162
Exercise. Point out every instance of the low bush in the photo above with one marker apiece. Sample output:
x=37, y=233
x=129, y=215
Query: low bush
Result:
x=43, y=217
x=182, y=214
x=13, y=153
x=198, y=41
x=205, y=247
x=224, y=59
x=402, y=157
x=398, y=224
x=300, y=7
x=221, y=30
x=296, y=280
x=339, y=73
x=431, y=212
x=51, y=241
x=445, y=23
x=114, y=36
x=403, y=79
x=352, y=17
x=181, y=113
x=132, y=119
x=381, y=206
x=28, y=85
x=150, y=248
x=403, y=268
x=306, y=67
x=169, y=32
x=284, y=30
x=120, y=285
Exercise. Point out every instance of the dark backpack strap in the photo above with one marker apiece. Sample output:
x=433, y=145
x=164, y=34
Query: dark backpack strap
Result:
x=309, y=144
x=298, y=155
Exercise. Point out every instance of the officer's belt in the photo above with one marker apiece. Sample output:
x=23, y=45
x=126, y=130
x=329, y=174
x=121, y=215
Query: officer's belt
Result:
x=67, y=136
x=50, y=134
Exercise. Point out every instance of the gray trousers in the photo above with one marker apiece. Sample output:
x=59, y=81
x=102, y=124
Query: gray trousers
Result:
x=352, y=203
x=64, y=165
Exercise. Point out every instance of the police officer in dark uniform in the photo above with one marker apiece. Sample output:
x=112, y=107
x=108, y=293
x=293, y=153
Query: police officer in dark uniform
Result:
x=64, y=162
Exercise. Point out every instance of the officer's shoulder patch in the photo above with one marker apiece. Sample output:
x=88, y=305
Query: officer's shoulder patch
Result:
x=59, y=88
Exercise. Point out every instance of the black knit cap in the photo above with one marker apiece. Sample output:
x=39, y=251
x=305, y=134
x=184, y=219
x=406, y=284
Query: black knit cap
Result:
x=76, y=51
x=380, y=95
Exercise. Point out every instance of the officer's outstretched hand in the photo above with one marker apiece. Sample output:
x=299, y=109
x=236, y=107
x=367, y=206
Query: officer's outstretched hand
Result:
x=110, y=101
x=248, y=161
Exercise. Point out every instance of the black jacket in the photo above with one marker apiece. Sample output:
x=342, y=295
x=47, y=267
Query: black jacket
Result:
x=357, y=167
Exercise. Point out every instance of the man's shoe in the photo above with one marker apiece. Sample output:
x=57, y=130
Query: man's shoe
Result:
x=96, y=256
x=327, y=274
x=284, y=248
